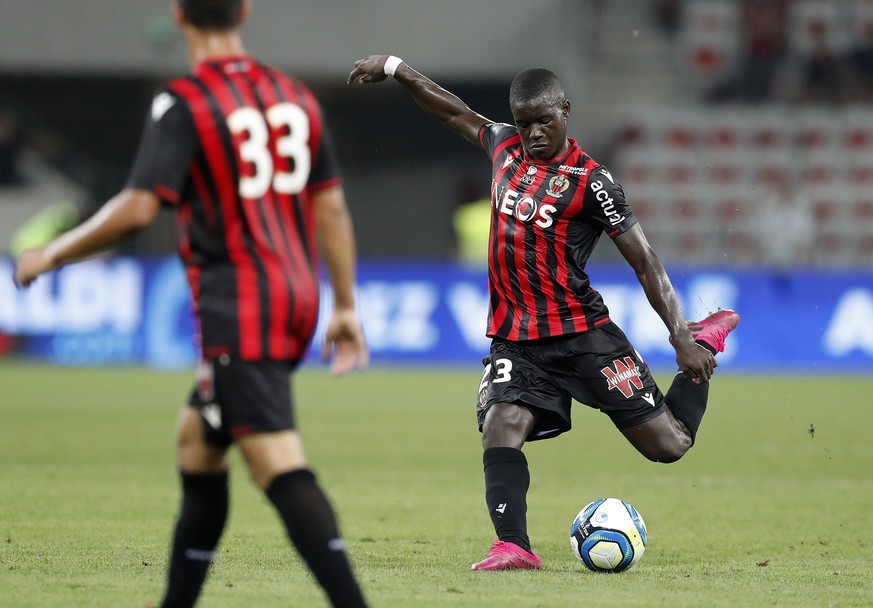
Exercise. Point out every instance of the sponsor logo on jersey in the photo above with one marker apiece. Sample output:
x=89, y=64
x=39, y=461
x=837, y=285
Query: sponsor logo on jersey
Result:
x=161, y=104
x=529, y=176
x=526, y=208
x=606, y=201
x=558, y=185
x=508, y=161
x=212, y=415
x=571, y=170
x=607, y=174
x=624, y=378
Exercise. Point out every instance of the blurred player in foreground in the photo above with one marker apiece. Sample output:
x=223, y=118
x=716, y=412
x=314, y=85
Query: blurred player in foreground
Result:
x=242, y=154
x=552, y=338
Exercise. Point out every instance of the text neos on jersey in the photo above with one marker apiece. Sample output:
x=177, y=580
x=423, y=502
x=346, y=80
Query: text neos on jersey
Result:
x=526, y=209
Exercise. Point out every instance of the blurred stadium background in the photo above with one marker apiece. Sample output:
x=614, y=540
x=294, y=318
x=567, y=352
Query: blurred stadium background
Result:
x=742, y=131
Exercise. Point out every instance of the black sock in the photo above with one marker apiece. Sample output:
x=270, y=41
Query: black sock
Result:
x=198, y=530
x=507, y=480
x=687, y=402
x=312, y=527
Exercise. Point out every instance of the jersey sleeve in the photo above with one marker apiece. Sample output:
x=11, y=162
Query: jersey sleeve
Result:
x=167, y=147
x=325, y=167
x=493, y=134
x=606, y=205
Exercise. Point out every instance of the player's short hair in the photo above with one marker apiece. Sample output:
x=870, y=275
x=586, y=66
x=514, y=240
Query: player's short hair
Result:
x=535, y=83
x=212, y=14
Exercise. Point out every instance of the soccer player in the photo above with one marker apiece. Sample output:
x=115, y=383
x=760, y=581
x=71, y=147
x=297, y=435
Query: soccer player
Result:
x=552, y=338
x=243, y=155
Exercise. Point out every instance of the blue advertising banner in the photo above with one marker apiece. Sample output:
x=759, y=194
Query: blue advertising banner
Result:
x=134, y=311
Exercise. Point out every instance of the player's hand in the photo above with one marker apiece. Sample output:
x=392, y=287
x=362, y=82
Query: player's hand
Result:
x=696, y=361
x=369, y=70
x=344, y=341
x=31, y=263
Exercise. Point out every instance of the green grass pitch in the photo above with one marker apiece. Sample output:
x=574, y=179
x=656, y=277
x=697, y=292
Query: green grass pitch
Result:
x=772, y=507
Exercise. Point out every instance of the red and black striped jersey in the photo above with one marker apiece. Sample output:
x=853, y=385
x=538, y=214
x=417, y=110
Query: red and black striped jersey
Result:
x=546, y=218
x=239, y=149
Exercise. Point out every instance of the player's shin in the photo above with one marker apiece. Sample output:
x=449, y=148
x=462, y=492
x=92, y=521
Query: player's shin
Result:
x=687, y=401
x=198, y=530
x=507, y=480
x=312, y=527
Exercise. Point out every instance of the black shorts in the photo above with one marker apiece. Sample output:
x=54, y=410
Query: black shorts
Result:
x=598, y=368
x=237, y=398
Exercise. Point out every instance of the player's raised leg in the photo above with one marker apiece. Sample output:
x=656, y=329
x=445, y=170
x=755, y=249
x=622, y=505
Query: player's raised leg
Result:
x=666, y=438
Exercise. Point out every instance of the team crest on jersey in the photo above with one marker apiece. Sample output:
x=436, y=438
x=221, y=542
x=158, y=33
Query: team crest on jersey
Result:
x=625, y=377
x=558, y=185
x=530, y=176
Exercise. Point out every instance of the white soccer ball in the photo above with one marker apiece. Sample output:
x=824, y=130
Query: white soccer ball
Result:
x=608, y=535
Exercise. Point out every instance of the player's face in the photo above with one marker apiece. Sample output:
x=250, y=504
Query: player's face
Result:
x=542, y=125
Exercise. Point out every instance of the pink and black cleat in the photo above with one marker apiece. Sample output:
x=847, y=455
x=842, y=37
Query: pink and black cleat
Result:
x=508, y=556
x=714, y=329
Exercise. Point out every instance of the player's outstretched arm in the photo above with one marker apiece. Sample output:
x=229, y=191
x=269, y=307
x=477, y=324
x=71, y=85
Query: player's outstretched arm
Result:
x=344, y=339
x=127, y=212
x=432, y=98
x=693, y=359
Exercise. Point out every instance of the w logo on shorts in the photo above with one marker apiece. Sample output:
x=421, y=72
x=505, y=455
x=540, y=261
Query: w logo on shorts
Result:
x=625, y=377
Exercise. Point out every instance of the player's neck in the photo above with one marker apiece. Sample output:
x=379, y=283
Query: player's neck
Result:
x=206, y=46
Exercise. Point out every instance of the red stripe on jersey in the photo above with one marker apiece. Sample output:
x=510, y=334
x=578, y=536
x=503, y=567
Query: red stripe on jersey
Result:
x=268, y=241
x=305, y=288
x=331, y=183
x=167, y=194
x=249, y=309
x=302, y=201
x=528, y=303
x=496, y=265
x=574, y=208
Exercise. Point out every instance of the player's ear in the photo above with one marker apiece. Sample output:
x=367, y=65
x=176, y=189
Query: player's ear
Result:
x=566, y=109
x=244, y=11
x=178, y=15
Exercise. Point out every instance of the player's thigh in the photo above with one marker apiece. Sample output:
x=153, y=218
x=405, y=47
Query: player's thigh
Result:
x=195, y=455
x=271, y=454
x=602, y=370
x=514, y=376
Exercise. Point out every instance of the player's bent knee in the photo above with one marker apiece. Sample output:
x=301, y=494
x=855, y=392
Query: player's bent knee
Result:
x=667, y=453
x=506, y=425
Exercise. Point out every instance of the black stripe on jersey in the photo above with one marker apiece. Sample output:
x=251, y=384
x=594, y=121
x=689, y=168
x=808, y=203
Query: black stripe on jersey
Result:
x=264, y=282
x=203, y=163
x=575, y=208
x=263, y=285
x=533, y=279
x=207, y=232
x=560, y=292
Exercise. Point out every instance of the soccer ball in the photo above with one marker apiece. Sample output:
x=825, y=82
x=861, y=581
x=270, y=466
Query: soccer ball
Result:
x=608, y=535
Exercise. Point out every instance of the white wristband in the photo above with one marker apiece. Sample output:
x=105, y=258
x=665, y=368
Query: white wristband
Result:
x=391, y=65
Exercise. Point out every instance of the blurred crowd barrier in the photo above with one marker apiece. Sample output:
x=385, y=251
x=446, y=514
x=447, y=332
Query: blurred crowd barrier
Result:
x=763, y=185
x=137, y=311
